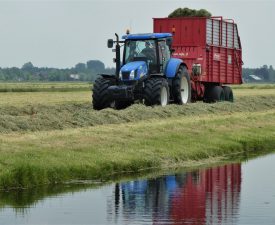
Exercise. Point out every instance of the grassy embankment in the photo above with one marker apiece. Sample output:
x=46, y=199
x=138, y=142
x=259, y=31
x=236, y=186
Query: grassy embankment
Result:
x=38, y=144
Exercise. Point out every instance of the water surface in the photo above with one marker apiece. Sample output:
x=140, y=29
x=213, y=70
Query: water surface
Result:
x=229, y=194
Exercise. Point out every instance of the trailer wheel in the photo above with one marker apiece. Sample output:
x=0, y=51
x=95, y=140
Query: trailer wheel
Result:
x=101, y=97
x=215, y=94
x=182, y=87
x=156, y=92
x=228, y=94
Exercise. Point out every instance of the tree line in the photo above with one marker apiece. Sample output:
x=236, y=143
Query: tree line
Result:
x=265, y=73
x=89, y=71
x=80, y=72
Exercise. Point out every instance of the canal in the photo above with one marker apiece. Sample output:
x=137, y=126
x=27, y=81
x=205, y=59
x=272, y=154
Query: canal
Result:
x=236, y=193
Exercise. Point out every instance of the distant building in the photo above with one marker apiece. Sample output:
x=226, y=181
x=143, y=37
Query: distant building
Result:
x=255, y=77
x=74, y=76
x=252, y=78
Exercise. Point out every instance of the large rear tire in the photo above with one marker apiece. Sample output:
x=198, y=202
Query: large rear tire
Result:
x=214, y=94
x=101, y=97
x=228, y=94
x=156, y=92
x=182, y=86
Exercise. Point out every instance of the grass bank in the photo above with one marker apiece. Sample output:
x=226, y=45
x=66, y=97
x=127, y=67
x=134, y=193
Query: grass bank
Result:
x=100, y=152
x=48, y=138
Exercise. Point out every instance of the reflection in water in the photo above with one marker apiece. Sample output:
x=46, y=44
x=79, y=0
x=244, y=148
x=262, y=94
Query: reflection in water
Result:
x=208, y=196
x=22, y=200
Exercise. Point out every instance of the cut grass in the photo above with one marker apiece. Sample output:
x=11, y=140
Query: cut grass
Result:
x=44, y=86
x=43, y=98
x=254, y=86
x=48, y=98
x=39, y=117
x=99, y=152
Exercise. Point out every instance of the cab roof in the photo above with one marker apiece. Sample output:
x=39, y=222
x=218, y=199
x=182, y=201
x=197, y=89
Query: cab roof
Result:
x=146, y=36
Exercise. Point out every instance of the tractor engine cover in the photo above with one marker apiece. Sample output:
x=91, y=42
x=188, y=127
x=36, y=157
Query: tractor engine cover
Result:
x=133, y=71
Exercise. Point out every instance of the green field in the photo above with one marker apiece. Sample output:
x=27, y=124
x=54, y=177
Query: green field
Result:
x=255, y=86
x=55, y=137
x=44, y=86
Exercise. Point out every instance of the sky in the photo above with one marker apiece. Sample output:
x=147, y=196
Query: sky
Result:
x=63, y=33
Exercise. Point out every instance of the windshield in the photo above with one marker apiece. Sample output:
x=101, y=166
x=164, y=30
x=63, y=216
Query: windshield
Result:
x=140, y=50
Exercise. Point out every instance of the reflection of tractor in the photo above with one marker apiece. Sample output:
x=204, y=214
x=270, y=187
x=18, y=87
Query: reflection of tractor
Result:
x=206, y=196
x=148, y=73
x=206, y=54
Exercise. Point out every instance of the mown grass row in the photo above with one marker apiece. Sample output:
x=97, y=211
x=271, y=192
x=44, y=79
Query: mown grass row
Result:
x=100, y=152
x=45, y=87
x=37, y=99
x=40, y=117
x=254, y=86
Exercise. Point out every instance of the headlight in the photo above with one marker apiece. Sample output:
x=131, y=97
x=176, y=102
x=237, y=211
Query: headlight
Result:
x=120, y=75
x=132, y=75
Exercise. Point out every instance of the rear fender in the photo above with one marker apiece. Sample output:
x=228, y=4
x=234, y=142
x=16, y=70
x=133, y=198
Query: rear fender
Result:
x=172, y=67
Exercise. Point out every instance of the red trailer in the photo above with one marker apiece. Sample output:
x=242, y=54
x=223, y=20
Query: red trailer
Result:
x=211, y=49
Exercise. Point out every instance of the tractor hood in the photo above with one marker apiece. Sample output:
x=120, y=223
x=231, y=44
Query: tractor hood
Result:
x=133, y=70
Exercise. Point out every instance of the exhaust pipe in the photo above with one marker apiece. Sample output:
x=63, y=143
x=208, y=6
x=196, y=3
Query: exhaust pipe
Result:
x=117, y=56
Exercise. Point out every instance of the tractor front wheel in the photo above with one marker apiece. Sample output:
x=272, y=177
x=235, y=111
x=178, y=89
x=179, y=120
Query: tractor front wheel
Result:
x=156, y=92
x=101, y=96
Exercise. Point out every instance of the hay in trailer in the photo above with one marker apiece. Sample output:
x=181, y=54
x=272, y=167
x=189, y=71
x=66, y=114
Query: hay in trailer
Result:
x=186, y=12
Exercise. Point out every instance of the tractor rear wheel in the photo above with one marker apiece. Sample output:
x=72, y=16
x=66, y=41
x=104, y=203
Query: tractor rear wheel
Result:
x=182, y=86
x=228, y=94
x=156, y=92
x=101, y=97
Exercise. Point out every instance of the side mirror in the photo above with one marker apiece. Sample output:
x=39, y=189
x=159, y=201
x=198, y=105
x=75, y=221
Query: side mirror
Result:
x=110, y=43
x=169, y=42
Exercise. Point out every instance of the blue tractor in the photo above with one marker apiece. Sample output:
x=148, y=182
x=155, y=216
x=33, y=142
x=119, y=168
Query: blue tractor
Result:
x=147, y=73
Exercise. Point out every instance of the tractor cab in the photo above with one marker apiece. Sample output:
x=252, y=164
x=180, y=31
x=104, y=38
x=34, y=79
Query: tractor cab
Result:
x=145, y=54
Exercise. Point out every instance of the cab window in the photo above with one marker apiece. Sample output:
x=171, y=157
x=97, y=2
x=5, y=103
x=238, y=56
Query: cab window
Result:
x=164, y=54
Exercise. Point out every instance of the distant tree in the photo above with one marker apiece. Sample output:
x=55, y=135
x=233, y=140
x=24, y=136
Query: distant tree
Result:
x=14, y=73
x=109, y=70
x=263, y=72
x=271, y=73
x=27, y=66
x=30, y=73
x=96, y=66
x=80, y=67
x=2, y=75
x=266, y=73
